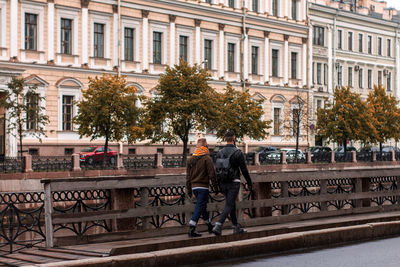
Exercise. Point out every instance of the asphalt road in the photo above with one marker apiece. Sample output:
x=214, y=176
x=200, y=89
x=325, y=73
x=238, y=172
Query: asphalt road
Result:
x=385, y=253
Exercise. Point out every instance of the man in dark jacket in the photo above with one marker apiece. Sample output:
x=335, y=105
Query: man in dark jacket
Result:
x=230, y=188
x=199, y=173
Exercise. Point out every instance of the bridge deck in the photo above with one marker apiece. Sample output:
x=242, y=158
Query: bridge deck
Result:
x=37, y=256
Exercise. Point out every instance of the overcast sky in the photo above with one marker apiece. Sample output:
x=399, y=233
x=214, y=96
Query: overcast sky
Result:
x=393, y=3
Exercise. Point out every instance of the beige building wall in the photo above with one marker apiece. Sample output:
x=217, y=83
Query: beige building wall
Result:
x=58, y=74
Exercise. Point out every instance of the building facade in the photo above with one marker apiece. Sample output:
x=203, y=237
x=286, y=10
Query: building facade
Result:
x=56, y=45
x=356, y=44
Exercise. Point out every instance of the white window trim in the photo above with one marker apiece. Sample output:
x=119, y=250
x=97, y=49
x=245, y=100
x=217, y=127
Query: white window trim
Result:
x=264, y=100
x=391, y=47
x=102, y=19
x=41, y=90
x=3, y=34
x=298, y=67
x=236, y=41
x=74, y=16
x=259, y=44
x=65, y=91
x=213, y=38
x=372, y=44
x=128, y=23
x=188, y=33
x=292, y=107
x=277, y=46
x=352, y=41
x=358, y=43
x=377, y=46
x=163, y=29
x=337, y=43
x=39, y=11
x=282, y=107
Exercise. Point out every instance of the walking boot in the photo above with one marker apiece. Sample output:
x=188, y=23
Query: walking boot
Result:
x=210, y=226
x=217, y=229
x=193, y=232
x=237, y=229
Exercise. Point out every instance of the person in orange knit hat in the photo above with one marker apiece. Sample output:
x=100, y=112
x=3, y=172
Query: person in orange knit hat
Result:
x=199, y=173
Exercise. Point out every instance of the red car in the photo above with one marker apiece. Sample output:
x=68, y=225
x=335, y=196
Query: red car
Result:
x=95, y=154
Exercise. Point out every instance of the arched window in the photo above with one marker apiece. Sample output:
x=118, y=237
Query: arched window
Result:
x=139, y=92
x=277, y=109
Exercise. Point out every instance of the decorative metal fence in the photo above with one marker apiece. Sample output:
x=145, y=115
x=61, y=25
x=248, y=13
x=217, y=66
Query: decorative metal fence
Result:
x=172, y=161
x=321, y=157
x=51, y=163
x=99, y=164
x=11, y=164
x=140, y=161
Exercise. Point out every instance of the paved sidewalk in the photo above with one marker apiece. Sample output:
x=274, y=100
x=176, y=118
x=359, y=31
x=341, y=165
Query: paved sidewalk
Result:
x=176, y=250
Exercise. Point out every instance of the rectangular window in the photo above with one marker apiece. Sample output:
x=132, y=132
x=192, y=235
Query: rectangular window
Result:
x=275, y=62
x=67, y=112
x=380, y=78
x=360, y=43
x=68, y=151
x=231, y=3
x=389, y=81
x=340, y=45
x=128, y=42
x=275, y=8
x=208, y=53
x=350, y=77
x=30, y=31
x=32, y=112
x=183, y=47
x=319, y=104
x=350, y=41
x=294, y=65
x=360, y=78
x=157, y=37
x=339, y=75
x=231, y=57
x=254, y=5
x=208, y=1
x=98, y=42
x=294, y=9
x=369, y=79
x=389, y=47
x=277, y=121
x=319, y=72
x=318, y=35
x=369, y=44
x=254, y=60
x=313, y=72
x=380, y=46
x=66, y=36
x=325, y=74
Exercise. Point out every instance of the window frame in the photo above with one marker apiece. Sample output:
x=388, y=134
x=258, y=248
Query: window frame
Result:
x=360, y=78
x=370, y=78
x=340, y=39
x=183, y=47
x=231, y=53
x=350, y=76
x=255, y=59
x=129, y=47
x=275, y=70
x=62, y=35
x=379, y=46
x=369, y=41
x=157, y=45
x=27, y=30
x=360, y=42
x=350, y=41
x=389, y=47
x=318, y=35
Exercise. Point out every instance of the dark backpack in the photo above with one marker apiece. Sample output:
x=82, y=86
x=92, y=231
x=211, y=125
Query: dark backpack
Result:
x=223, y=168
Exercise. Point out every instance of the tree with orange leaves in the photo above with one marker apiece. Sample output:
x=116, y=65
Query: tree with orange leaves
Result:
x=347, y=118
x=108, y=110
x=386, y=115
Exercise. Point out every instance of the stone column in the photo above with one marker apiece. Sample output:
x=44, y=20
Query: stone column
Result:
x=27, y=160
x=115, y=36
x=221, y=51
x=310, y=57
x=246, y=55
x=397, y=79
x=76, y=167
x=123, y=199
x=14, y=28
x=159, y=157
x=145, y=40
x=197, y=24
x=172, y=40
x=304, y=62
x=50, y=30
x=330, y=59
x=267, y=4
x=286, y=60
x=85, y=32
x=263, y=191
x=266, y=57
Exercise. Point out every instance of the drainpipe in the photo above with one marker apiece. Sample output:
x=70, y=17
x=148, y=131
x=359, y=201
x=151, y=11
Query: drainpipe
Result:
x=119, y=38
x=244, y=36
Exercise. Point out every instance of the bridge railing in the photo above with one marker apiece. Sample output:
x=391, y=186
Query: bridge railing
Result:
x=160, y=202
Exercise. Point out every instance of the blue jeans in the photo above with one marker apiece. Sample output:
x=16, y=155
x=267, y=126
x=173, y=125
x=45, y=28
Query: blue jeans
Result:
x=230, y=191
x=201, y=205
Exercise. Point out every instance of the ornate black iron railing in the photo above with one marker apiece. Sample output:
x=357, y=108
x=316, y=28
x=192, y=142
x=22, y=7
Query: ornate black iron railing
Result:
x=140, y=161
x=172, y=161
x=51, y=163
x=11, y=164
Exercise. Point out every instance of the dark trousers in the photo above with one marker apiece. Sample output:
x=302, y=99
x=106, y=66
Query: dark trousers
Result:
x=230, y=191
x=201, y=205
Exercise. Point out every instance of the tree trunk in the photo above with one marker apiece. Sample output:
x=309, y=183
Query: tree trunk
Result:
x=297, y=138
x=105, y=152
x=380, y=148
x=184, y=152
x=345, y=148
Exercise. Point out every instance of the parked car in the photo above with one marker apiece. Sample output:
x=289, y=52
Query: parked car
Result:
x=264, y=151
x=367, y=149
x=94, y=154
x=390, y=148
x=340, y=155
x=319, y=153
x=290, y=155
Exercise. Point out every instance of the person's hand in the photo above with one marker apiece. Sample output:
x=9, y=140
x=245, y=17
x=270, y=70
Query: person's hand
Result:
x=250, y=186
